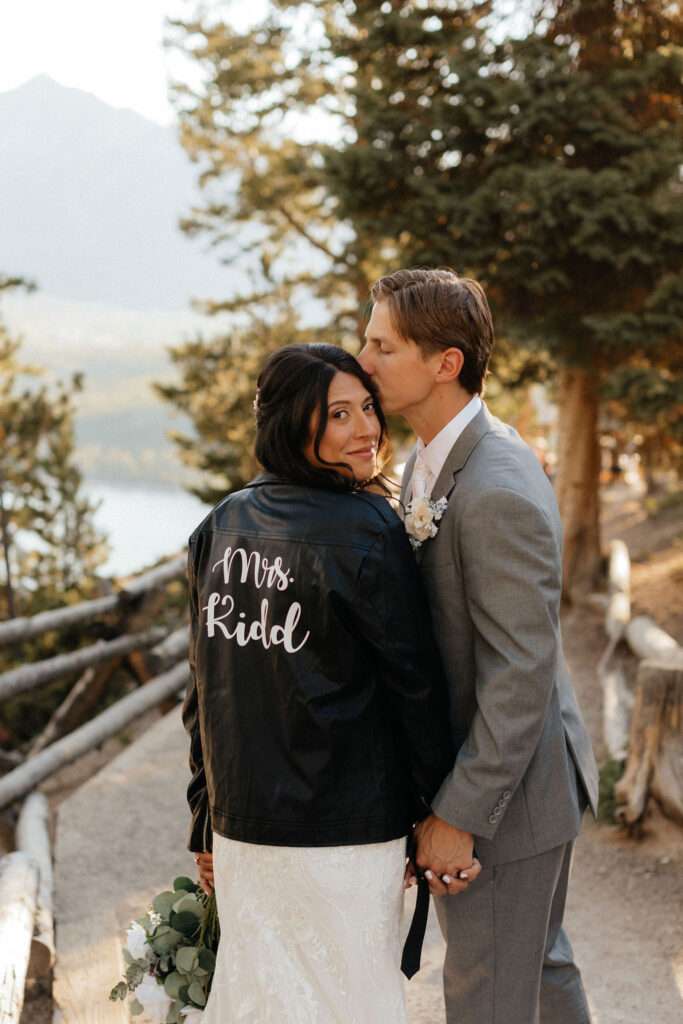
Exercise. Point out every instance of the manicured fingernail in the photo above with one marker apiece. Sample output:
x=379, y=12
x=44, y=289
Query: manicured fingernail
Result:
x=447, y=879
x=428, y=876
x=464, y=876
x=413, y=881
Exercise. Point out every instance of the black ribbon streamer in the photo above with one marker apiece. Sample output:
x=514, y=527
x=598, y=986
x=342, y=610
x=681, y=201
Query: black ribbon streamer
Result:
x=412, y=949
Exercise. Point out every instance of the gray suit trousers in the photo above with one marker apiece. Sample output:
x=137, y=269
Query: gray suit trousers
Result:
x=508, y=960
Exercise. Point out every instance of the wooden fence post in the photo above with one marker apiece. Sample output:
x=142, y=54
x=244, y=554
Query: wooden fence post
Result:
x=655, y=758
x=18, y=889
x=33, y=839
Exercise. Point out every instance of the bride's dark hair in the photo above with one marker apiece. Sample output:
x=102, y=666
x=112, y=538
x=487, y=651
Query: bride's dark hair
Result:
x=293, y=387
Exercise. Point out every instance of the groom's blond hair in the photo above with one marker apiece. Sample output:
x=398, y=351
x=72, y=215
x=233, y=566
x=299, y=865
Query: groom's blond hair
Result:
x=438, y=310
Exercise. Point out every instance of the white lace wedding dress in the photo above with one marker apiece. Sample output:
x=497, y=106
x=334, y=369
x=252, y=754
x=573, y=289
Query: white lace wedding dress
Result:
x=308, y=936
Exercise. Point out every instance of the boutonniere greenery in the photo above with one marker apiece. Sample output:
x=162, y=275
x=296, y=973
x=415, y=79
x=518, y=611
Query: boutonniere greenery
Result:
x=422, y=515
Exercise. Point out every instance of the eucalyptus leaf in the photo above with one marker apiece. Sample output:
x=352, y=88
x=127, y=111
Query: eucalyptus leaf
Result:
x=136, y=1008
x=173, y=1016
x=165, y=939
x=186, y=959
x=184, y=922
x=189, y=904
x=135, y=973
x=197, y=994
x=127, y=955
x=163, y=902
x=207, y=959
x=183, y=882
x=119, y=991
x=172, y=984
x=183, y=994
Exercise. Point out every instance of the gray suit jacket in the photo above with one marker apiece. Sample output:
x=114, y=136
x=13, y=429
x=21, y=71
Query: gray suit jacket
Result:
x=493, y=574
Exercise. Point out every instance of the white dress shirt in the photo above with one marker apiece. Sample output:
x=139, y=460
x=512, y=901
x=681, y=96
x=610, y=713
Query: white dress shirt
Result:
x=431, y=457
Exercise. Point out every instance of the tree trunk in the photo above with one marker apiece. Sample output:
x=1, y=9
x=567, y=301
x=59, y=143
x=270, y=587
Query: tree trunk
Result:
x=578, y=474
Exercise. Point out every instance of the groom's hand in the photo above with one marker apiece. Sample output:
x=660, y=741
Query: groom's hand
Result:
x=444, y=850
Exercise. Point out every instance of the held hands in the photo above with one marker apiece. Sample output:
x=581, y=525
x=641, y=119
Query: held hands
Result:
x=204, y=862
x=444, y=855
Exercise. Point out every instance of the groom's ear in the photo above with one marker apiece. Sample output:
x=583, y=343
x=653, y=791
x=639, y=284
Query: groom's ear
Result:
x=452, y=361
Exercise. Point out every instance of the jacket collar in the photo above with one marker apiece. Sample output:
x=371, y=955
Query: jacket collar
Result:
x=456, y=459
x=461, y=451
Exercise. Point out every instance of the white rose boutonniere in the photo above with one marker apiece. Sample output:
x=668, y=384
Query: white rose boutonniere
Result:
x=422, y=515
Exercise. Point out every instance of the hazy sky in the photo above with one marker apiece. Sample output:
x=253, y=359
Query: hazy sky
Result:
x=111, y=48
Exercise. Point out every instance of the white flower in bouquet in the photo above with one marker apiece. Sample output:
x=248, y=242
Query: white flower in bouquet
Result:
x=171, y=950
x=191, y=1015
x=136, y=941
x=422, y=515
x=153, y=999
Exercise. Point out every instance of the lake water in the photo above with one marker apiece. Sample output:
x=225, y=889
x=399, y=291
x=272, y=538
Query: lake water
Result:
x=142, y=523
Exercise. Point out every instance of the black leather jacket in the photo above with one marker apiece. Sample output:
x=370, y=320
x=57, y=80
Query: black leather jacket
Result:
x=317, y=709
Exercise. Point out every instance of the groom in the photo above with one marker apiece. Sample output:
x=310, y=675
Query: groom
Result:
x=525, y=771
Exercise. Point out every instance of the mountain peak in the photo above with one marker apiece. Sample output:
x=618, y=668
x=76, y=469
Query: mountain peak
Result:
x=45, y=90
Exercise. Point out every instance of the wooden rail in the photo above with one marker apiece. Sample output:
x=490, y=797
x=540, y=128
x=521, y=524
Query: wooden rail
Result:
x=18, y=630
x=30, y=677
x=28, y=775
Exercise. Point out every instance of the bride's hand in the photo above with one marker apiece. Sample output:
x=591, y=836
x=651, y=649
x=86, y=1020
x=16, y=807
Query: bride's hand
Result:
x=204, y=862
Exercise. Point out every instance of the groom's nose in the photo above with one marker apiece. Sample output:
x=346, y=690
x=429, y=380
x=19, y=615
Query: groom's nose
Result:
x=365, y=361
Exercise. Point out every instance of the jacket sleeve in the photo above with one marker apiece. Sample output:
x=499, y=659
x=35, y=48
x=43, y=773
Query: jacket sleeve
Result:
x=511, y=566
x=201, y=836
x=393, y=615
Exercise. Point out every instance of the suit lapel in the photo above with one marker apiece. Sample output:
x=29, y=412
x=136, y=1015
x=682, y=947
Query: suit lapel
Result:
x=457, y=457
x=460, y=453
x=406, y=481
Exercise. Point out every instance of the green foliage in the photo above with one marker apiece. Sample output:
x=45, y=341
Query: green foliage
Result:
x=181, y=961
x=547, y=167
x=50, y=548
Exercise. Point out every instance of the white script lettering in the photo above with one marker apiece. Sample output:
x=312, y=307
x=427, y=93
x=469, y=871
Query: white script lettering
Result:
x=268, y=634
x=264, y=572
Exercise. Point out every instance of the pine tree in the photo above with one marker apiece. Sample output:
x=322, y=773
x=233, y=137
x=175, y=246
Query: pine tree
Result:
x=49, y=544
x=548, y=168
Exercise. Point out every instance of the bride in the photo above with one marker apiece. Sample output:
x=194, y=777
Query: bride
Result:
x=317, y=709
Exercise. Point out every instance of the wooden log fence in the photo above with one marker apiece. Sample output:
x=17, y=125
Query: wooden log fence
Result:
x=646, y=730
x=167, y=653
x=617, y=700
x=20, y=629
x=649, y=642
x=28, y=775
x=33, y=839
x=18, y=892
x=655, y=760
x=27, y=941
x=29, y=677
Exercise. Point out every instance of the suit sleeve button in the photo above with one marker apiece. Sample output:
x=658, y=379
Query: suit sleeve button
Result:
x=493, y=819
x=507, y=794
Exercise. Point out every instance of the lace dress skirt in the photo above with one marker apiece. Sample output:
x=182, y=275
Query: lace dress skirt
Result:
x=308, y=935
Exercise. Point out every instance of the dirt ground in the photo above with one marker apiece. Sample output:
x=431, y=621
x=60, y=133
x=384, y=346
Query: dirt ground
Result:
x=624, y=914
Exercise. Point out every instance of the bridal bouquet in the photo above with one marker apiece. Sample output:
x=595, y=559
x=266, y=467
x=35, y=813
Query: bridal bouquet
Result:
x=171, y=955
